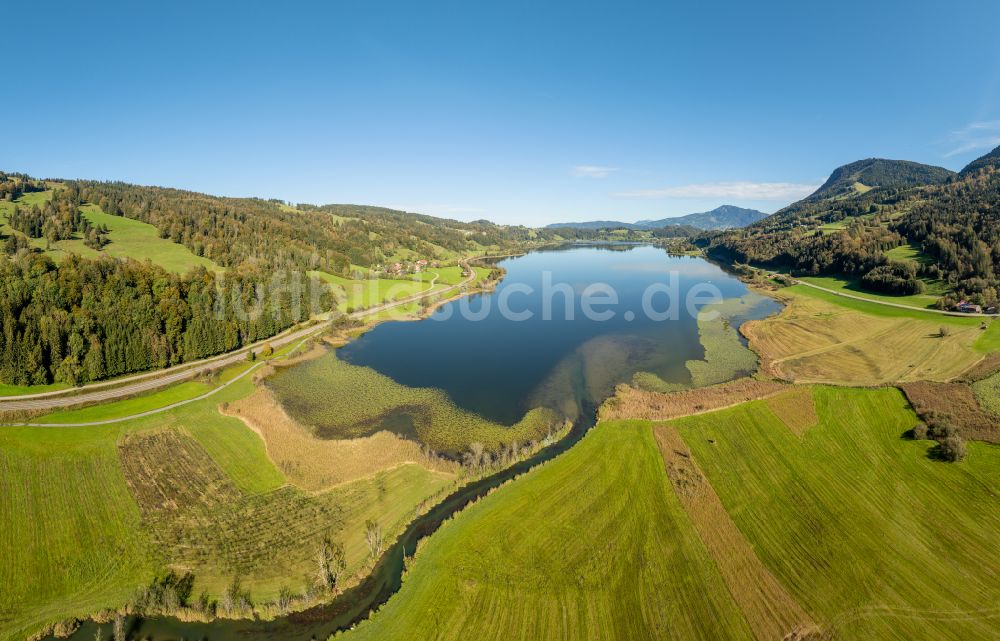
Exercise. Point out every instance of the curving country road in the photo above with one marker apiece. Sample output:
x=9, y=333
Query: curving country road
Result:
x=890, y=304
x=139, y=383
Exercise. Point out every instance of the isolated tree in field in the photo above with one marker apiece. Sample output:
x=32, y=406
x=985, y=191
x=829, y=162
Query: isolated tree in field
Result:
x=919, y=432
x=332, y=562
x=939, y=424
x=373, y=535
x=944, y=332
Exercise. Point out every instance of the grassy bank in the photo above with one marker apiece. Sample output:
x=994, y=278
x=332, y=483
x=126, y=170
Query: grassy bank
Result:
x=933, y=290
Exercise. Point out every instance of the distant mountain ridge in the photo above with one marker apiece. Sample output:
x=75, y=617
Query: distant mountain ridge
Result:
x=723, y=217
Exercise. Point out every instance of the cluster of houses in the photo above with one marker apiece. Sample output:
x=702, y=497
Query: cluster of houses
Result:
x=408, y=267
x=966, y=307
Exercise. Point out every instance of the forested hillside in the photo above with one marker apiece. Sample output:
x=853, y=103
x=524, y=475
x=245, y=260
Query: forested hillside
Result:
x=954, y=220
x=234, y=231
x=85, y=317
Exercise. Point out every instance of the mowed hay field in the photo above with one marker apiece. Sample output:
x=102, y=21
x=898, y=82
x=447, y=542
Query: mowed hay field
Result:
x=845, y=530
x=823, y=338
x=89, y=514
x=874, y=538
x=592, y=545
x=71, y=535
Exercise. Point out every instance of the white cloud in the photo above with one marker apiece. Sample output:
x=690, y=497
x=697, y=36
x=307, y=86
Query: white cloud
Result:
x=593, y=171
x=976, y=135
x=740, y=190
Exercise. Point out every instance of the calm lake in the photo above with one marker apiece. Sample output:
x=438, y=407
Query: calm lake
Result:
x=530, y=343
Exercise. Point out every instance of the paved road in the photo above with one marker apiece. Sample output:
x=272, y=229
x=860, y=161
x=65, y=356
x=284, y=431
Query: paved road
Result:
x=130, y=386
x=888, y=304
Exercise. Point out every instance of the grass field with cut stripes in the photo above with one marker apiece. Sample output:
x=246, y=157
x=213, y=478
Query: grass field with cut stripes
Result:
x=872, y=536
x=593, y=545
x=839, y=528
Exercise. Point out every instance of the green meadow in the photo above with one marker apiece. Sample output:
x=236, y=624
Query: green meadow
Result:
x=353, y=295
x=592, y=545
x=20, y=390
x=934, y=291
x=75, y=532
x=908, y=253
x=874, y=537
x=849, y=520
x=360, y=294
x=128, y=239
x=876, y=309
x=135, y=239
x=84, y=509
x=989, y=341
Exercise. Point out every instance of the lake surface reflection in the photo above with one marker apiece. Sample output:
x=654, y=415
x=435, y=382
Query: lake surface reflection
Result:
x=543, y=353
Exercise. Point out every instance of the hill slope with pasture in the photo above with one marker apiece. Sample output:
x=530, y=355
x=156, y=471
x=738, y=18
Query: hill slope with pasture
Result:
x=858, y=231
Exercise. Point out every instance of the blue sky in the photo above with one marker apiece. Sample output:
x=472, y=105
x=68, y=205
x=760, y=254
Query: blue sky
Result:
x=520, y=112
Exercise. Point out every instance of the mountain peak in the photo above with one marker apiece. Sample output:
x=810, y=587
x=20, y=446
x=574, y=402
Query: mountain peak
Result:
x=862, y=175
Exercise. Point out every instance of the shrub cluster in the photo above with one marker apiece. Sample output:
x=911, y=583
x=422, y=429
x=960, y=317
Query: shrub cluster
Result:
x=939, y=427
